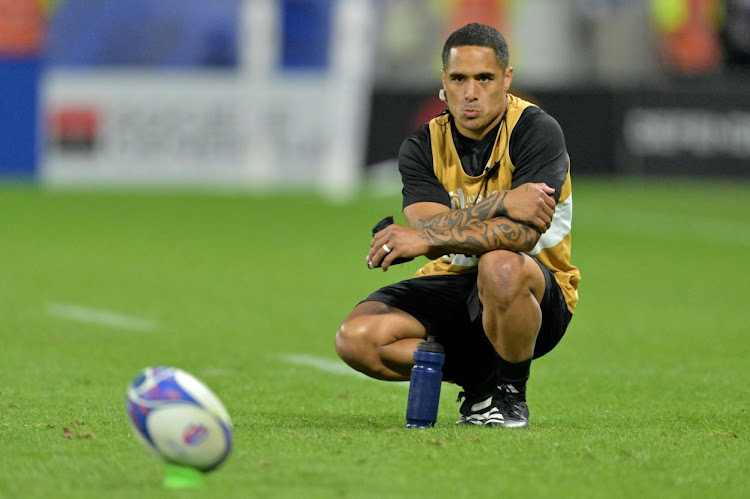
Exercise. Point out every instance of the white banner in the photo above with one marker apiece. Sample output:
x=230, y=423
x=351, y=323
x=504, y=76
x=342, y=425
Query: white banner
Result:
x=257, y=127
x=135, y=128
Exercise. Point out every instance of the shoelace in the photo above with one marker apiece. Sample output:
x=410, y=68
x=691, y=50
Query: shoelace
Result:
x=509, y=402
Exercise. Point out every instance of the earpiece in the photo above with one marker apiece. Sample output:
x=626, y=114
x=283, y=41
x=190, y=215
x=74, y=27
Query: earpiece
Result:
x=441, y=95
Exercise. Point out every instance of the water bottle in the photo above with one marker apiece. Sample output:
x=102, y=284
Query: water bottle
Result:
x=424, y=385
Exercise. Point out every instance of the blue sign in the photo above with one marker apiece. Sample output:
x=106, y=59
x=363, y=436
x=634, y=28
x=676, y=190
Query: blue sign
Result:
x=19, y=89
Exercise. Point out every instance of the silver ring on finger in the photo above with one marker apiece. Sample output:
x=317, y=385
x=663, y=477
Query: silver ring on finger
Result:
x=386, y=248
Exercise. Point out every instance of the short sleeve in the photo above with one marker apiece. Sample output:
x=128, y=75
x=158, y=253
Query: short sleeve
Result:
x=417, y=174
x=538, y=151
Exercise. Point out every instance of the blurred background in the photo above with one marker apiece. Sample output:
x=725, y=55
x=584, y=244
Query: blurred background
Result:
x=318, y=94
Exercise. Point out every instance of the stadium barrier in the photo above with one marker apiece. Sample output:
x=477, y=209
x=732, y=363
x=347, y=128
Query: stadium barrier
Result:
x=693, y=129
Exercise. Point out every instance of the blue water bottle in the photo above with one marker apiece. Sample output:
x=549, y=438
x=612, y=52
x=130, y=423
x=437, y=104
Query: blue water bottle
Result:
x=424, y=385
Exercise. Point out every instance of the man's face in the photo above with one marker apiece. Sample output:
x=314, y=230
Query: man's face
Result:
x=475, y=86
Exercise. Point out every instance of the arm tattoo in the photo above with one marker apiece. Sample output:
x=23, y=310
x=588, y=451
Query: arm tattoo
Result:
x=478, y=237
x=493, y=206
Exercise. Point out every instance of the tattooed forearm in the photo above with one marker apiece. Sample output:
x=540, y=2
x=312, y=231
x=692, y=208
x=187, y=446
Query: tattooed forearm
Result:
x=493, y=206
x=478, y=237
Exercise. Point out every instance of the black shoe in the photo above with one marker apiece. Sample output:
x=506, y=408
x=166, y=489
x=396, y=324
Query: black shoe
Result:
x=508, y=409
x=475, y=409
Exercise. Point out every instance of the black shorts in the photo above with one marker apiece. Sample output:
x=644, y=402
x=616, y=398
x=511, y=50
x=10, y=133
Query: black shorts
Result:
x=449, y=309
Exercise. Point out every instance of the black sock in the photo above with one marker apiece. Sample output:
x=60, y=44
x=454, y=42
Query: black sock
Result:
x=480, y=386
x=513, y=373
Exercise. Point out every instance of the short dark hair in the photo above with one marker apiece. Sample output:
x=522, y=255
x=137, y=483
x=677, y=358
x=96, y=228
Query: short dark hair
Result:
x=478, y=35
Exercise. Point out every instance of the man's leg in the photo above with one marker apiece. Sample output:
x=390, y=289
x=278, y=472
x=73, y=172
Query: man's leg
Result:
x=510, y=287
x=379, y=340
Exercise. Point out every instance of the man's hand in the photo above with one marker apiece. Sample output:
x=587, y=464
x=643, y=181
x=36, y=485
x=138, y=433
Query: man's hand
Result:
x=393, y=242
x=532, y=204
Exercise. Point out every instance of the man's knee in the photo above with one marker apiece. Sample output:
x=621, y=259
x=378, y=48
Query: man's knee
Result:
x=359, y=343
x=354, y=340
x=501, y=276
x=369, y=340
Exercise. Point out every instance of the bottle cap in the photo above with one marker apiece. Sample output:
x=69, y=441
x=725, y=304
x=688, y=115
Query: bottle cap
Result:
x=430, y=345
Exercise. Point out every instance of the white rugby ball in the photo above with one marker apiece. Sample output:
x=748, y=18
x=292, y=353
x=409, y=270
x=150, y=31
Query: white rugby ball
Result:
x=179, y=418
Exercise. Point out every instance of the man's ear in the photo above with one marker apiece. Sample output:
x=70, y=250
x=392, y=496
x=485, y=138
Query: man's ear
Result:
x=508, y=78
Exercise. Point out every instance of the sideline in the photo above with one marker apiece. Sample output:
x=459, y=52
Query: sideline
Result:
x=330, y=366
x=100, y=317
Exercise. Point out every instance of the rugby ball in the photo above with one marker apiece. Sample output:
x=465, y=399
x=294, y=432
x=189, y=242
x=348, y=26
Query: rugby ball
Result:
x=178, y=418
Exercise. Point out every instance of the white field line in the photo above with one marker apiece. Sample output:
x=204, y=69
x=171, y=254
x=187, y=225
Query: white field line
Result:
x=100, y=317
x=328, y=365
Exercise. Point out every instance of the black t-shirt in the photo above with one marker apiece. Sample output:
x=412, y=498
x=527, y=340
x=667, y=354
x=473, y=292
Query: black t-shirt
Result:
x=537, y=150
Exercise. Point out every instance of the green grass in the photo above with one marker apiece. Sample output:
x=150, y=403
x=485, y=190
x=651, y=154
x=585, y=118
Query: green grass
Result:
x=647, y=395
